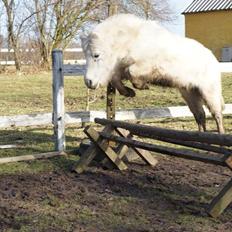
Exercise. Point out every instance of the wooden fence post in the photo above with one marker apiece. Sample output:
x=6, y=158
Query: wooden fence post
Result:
x=58, y=116
x=110, y=108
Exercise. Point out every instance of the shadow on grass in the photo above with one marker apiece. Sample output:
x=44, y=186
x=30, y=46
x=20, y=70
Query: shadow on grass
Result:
x=35, y=141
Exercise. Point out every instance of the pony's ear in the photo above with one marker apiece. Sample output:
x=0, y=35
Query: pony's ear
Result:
x=84, y=41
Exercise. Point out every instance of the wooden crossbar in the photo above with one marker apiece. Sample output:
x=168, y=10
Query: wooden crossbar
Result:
x=146, y=157
x=154, y=132
x=197, y=145
x=182, y=153
x=31, y=157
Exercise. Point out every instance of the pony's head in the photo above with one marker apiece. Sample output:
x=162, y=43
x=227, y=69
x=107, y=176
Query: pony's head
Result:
x=100, y=60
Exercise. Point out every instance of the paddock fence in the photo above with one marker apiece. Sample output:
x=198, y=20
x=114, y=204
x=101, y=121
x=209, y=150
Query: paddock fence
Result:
x=59, y=118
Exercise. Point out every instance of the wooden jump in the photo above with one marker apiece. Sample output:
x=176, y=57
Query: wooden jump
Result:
x=113, y=144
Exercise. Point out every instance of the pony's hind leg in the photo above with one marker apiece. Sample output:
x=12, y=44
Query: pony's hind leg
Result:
x=194, y=101
x=219, y=121
x=215, y=105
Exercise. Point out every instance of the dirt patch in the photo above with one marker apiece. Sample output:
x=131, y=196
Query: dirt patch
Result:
x=171, y=197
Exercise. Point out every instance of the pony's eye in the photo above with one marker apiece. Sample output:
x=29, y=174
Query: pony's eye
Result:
x=96, y=56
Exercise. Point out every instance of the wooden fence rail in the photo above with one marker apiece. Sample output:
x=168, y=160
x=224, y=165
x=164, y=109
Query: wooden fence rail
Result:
x=89, y=116
x=154, y=132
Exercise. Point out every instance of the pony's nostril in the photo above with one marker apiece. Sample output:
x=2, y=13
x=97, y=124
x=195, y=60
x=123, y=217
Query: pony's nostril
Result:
x=89, y=83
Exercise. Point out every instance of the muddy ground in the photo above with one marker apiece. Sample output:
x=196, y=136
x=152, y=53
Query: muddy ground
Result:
x=170, y=197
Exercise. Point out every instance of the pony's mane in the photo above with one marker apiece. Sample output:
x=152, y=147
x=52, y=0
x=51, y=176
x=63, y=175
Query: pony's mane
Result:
x=120, y=22
x=117, y=25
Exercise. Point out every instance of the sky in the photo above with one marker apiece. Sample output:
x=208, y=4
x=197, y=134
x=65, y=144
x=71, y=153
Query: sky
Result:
x=178, y=6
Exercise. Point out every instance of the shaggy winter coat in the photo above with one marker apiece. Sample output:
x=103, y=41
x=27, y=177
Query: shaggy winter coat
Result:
x=127, y=47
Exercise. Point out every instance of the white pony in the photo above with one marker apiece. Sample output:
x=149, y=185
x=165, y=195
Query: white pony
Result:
x=127, y=47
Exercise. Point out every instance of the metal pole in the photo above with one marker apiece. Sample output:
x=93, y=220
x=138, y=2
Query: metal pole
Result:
x=58, y=116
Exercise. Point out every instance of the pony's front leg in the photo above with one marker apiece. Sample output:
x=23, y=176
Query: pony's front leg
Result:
x=122, y=89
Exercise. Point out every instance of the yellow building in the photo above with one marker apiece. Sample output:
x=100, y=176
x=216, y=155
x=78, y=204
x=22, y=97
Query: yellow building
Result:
x=210, y=22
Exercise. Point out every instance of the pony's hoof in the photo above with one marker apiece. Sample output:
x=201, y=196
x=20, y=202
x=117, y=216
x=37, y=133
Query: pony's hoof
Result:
x=130, y=92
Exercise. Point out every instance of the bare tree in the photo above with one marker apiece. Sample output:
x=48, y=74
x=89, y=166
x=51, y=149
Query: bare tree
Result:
x=12, y=37
x=57, y=23
x=1, y=43
x=1, y=40
x=1, y=36
x=16, y=26
x=149, y=9
x=41, y=19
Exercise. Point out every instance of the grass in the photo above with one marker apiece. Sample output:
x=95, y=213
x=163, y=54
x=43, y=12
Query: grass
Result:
x=24, y=94
x=33, y=93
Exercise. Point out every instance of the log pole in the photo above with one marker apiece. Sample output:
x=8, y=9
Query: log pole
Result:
x=154, y=132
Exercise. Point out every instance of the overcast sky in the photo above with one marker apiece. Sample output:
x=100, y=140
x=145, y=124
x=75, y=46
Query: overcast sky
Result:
x=178, y=6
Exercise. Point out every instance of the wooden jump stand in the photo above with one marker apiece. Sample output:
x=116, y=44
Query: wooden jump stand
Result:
x=204, y=142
